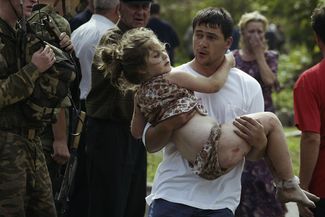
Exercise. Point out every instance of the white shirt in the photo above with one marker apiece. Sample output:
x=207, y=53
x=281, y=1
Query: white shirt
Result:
x=84, y=40
x=174, y=180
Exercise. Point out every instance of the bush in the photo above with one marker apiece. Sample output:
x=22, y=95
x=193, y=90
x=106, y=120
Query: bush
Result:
x=290, y=67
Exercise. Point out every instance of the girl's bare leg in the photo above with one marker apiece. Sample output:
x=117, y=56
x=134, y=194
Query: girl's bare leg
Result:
x=279, y=159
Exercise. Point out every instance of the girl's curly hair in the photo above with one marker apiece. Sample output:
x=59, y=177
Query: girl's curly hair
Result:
x=122, y=56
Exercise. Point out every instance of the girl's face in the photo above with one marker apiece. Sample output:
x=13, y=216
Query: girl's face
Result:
x=158, y=60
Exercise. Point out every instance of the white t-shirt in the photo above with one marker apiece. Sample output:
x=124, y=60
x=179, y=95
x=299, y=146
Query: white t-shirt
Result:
x=174, y=180
x=84, y=40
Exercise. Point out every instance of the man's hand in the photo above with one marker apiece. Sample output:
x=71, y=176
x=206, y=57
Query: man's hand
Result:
x=230, y=59
x=252, y=131
x=65, y=42
x=61, y=152
x=43, y=59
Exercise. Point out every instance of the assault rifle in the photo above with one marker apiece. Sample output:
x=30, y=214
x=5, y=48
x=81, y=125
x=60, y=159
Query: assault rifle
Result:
x=22, y=37
x=62, y=197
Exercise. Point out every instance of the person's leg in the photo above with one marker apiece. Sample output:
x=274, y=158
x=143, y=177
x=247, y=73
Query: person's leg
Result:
x=214, y=213
x=138, y=179
x=40, y=200
x=278, y=156
x=110, y=167
x=277, y=150
x=12, y=175
x=164, y=208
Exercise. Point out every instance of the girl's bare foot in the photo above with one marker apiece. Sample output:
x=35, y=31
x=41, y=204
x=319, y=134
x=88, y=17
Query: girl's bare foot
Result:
x=290, y=191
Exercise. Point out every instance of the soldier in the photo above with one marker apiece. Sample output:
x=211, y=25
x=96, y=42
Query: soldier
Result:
x=54, y=137
x=31, y=90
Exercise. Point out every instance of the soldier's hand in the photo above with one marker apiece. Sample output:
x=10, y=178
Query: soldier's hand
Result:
x=43, y=59
x=61, y=152
x=65, y=42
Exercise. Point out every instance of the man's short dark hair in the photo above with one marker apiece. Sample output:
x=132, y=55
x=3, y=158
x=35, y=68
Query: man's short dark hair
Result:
x=215, y=17
x=318, y=22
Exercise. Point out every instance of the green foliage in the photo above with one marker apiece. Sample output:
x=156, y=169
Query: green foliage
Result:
x=290, y=67
x=294, y=149
x=153, y=162
x=292, y=15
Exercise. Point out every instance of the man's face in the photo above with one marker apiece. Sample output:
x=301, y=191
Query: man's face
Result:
x=28, y=6
x=135, y=14
x=209, y=45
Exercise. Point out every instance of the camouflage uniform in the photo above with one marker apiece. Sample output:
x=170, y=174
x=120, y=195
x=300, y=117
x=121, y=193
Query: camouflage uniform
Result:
x=25, y=186
x=40, y=12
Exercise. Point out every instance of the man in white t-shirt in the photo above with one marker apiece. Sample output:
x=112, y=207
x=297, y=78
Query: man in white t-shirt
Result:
x=177, y=191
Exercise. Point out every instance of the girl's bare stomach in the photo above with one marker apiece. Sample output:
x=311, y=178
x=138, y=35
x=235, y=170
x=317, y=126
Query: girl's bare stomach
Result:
x=190, y=139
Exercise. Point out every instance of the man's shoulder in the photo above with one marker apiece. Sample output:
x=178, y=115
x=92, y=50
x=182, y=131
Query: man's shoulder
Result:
x=85, y=32
x=84, y=27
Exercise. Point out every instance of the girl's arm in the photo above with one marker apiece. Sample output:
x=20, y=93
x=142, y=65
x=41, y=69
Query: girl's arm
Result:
x=138, y=122
x=204, y=84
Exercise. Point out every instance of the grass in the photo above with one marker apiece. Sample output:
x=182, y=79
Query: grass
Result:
x=294, y=148
x=293, y=144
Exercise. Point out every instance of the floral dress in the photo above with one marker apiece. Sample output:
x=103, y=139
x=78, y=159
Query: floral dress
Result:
x=251, y=68
x=258, y=191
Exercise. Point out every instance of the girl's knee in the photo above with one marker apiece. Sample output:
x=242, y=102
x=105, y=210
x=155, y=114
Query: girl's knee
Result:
x=270, y=119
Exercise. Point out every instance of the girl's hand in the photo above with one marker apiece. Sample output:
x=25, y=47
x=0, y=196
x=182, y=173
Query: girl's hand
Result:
x=230, y=59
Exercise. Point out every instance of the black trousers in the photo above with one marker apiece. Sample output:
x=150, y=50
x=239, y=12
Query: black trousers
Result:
x=117, y=170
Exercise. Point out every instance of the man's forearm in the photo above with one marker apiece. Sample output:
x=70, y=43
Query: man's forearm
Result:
x=157, y=138
x=60, y=127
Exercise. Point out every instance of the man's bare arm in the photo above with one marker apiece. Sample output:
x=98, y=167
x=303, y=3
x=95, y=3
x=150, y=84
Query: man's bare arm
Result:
x=158, y=136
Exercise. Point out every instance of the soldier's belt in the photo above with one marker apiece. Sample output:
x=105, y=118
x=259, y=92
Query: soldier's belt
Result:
x=42, y=113
x=28, y=133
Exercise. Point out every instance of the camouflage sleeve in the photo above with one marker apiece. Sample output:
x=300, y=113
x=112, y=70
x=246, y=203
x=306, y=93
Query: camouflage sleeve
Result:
x=61, y=23
x=18, y=86
x=66, y=102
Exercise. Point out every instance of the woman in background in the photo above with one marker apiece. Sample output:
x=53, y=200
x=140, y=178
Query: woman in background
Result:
x=254, y=58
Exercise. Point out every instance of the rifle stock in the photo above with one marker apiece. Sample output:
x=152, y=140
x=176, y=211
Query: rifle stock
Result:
x=63, y=195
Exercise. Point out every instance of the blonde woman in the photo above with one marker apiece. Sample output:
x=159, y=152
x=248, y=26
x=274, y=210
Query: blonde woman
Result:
x=255, y=59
